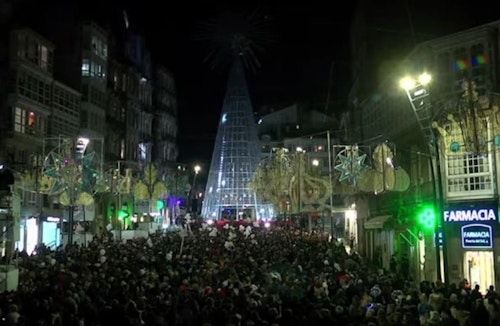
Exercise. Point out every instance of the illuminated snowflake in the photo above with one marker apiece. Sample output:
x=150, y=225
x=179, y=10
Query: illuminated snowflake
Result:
x=350, y=164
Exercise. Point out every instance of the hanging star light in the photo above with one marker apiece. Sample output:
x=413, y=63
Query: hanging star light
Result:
x=68, y=172
x=352, y=162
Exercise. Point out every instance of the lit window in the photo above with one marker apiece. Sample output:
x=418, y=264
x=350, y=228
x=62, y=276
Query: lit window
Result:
x=44, y=53
x=25, y=121
x=31, y=119
x=142, y=151
x=19, y=120
x=85, y=67
x=100, y=71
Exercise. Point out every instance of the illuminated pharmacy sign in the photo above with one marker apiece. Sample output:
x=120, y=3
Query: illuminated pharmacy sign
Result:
x=470, y=215
x=477, y=236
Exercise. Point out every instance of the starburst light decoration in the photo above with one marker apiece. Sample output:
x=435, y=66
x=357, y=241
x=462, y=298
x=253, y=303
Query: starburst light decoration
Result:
x=350, y=163
x=73, y=178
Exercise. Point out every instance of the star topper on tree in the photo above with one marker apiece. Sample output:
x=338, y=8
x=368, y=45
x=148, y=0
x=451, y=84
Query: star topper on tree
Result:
x=236, y=31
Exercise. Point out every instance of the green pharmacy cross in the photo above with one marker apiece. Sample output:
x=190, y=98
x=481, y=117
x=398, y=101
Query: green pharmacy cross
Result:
x=351, y=161
x=427, y=218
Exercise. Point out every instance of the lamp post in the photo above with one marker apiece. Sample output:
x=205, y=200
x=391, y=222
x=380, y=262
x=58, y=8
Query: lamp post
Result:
x=300, y=151
x=417, y=91
x=197, y=170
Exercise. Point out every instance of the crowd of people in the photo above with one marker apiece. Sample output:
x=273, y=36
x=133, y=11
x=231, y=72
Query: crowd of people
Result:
x=235, y=276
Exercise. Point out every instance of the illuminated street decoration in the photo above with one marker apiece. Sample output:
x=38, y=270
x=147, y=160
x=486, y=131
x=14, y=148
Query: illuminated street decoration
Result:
x=149, y=187
x=72, y=178
x=350, y=163
x=383, y=175
x=235, y=157
x=236, y=39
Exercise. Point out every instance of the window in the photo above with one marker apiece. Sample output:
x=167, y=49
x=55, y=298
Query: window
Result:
x=101, y=71
x=28, y=122
x=33, y=87
x=97, y=97
x=142, y=151
x=34, y=52
x=123, y=114
x=85, y=67
x=104, y=50
x=84, y=119
x=44, y=60
x=65, y=102
x=85, y=93
x=122, y=149
x=468, y=173
x=115, y=82
x=20, y=120
x=31, y=119
x=95, y=44
x=21, y=51
x=478, y=62
x=92, y=68
x=99, y=47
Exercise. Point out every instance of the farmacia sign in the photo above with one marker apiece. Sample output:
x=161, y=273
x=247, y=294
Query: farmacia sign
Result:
x=470, y=215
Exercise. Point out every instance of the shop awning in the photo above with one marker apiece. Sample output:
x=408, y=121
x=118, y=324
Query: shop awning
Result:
x=376, y=222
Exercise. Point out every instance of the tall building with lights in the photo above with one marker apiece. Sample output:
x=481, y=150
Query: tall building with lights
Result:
x=235, y=157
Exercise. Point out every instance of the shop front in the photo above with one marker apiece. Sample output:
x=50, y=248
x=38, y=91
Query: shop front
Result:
x=472, y=232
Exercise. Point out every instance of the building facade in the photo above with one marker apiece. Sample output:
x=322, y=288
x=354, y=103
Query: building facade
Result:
x=81, y=82
x=460, y=178
x=38, y=106
x=165, y=123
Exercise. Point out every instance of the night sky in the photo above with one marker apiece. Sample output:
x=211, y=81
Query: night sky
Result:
x=304, y=40
x=299, y=47
x=308, y=38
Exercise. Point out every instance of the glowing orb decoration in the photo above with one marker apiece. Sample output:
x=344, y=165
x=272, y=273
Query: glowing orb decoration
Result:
x=496, y=140
x=454, y=147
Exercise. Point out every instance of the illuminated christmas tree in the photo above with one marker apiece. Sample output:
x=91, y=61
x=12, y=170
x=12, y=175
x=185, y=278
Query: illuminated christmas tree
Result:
x=236, y=37
x=235, y=157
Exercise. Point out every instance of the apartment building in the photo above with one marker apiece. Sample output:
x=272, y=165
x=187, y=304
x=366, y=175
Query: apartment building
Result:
x=38, y=107
x=165, y=150
x=462, y=104
x=78, y=80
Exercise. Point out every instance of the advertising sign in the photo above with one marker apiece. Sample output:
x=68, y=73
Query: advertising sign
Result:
x=482, y=214
x=477, y=236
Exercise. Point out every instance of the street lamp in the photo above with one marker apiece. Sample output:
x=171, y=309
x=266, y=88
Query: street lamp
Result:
x=299, y=151
x=418, y=95
x=197, y=170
